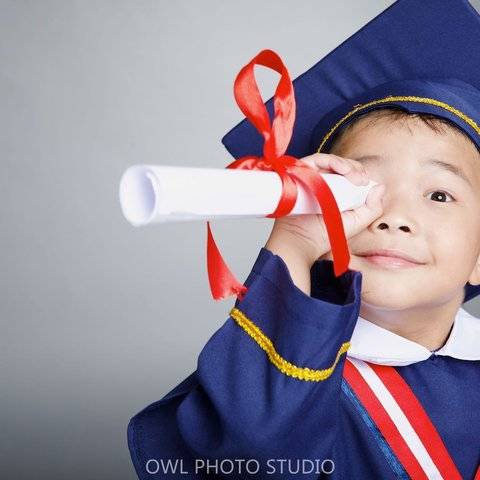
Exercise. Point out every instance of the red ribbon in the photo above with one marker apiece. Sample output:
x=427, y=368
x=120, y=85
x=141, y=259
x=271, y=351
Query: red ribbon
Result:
x=291, y=170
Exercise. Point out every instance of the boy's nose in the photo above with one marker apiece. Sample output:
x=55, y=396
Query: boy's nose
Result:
x=398, y=211
x=382, y=225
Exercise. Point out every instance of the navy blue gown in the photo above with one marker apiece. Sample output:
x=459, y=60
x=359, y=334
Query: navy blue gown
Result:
x=269, y=385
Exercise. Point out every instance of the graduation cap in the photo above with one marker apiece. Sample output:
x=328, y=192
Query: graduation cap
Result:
x=422, y=56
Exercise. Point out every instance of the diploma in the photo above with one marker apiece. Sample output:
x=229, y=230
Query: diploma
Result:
x=159, y=194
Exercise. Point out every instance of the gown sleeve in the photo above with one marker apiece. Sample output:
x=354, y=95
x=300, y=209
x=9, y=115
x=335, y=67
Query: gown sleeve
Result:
x=267, y=384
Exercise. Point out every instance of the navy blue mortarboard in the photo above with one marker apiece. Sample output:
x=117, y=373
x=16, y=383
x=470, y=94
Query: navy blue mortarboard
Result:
x=421, y=56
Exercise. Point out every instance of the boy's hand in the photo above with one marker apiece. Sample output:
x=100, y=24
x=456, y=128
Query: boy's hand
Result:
x=301, y=239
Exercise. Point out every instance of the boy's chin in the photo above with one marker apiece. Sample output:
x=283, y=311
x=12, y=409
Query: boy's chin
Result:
x=394, y=294
x=394, y=301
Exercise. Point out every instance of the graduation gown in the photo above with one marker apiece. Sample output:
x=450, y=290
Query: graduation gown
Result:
x=309, y=389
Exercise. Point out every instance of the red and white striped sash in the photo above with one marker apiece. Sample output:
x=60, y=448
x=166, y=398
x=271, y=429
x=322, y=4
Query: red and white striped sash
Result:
x=402, y=420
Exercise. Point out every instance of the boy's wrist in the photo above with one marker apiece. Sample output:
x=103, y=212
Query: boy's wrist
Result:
x=291, y=246
x=298, y=262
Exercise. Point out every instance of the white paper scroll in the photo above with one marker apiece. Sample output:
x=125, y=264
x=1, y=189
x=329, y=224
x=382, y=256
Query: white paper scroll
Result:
x=158, y=194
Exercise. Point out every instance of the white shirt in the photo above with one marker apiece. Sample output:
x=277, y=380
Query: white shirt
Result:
x=376, y=344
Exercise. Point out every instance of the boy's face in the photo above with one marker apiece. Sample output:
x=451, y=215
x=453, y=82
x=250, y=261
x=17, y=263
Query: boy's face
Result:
x=429, y=213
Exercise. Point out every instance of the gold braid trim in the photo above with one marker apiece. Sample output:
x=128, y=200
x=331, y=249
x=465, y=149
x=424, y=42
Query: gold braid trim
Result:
x=393, y=98
x=302, y=373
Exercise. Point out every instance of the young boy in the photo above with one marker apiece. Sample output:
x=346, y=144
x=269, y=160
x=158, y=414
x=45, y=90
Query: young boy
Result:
x=374, y=373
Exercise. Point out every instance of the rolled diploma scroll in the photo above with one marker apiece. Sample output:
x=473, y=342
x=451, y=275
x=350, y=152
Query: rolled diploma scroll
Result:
x=159, y=194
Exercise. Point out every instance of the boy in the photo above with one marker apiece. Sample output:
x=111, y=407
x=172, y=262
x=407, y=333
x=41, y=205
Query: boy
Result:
x=375, y=373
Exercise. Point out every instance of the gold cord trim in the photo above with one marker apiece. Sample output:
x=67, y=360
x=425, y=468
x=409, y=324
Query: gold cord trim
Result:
x=393, y=98
x=302, y=373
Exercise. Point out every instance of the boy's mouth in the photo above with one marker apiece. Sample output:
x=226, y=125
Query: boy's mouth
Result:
x=390, y=258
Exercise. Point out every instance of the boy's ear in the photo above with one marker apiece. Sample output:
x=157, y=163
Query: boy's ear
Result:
x=474, y=278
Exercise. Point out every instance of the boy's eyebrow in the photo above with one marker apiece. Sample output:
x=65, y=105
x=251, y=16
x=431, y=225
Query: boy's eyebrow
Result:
x=429, y=161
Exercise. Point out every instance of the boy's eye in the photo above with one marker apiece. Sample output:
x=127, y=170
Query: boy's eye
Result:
x=440, y=196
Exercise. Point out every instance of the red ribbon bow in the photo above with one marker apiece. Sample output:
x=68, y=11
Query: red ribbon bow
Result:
x=277, y=137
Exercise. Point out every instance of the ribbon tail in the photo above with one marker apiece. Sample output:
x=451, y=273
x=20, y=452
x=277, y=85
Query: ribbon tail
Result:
x=223, y=283
x=332, y=217
x=336, y=235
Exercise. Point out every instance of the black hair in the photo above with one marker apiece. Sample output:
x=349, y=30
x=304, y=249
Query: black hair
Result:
x=435, y=123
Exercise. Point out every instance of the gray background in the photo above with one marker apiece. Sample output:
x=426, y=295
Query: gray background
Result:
x=100, y=318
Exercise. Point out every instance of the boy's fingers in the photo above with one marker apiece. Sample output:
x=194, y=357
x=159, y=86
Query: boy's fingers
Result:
x=351, y=169
x=324, y=160
x=354, y=221
x=327, y=161
x=374, y=196
x=358, y=219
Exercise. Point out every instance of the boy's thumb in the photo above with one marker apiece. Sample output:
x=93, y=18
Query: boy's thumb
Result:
x=374, y=197
x=354, y=221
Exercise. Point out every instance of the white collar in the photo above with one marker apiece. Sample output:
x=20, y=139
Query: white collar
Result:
x=376, y=344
